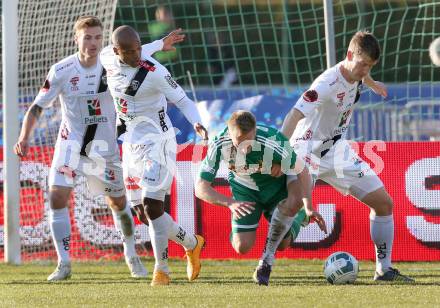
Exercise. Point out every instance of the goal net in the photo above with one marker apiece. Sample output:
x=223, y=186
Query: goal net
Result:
x=253, y=54
x=46, y=37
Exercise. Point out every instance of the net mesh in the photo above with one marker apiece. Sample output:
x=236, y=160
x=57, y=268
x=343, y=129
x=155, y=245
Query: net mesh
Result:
x=239, y=49
x=45, y=37
x=234, y=50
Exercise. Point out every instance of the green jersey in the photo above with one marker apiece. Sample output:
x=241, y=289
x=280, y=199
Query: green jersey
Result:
x=251, y=170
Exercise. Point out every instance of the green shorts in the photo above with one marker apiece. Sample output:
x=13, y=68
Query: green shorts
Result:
x=251, y=221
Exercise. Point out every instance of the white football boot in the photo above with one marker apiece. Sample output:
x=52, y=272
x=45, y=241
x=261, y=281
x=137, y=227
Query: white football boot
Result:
x=62, y=272
x=136, y=267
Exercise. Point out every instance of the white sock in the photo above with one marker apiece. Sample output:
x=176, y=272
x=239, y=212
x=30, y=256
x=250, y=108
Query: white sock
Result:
x=382, y=234
x=279, y=225
x=178, y=235
x=60, y=227
x=124, y=223
x=158, y=229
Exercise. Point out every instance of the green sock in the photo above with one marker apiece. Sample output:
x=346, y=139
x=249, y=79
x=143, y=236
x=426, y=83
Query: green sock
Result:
x=297, y=223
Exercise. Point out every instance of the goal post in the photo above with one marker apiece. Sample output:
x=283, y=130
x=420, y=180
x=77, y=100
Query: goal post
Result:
x=35, y=35
x=10, y=132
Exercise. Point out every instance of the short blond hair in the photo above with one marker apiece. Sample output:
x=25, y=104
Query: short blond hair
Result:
x=364, y=42
x=87, y=21
x=243, y=120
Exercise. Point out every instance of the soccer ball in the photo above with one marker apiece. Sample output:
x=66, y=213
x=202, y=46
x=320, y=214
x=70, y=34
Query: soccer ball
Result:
x=434, y=51
x=341, y=268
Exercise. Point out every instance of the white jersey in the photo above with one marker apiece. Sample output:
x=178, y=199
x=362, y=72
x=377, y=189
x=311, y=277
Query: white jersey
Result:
x=140, y=95
x=327, y=106
x=88, y=118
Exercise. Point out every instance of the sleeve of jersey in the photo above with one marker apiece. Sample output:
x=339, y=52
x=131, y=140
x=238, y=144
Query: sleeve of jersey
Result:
x=311, y=99
x=189, y=110
x=211, y=163
x=49, y=91
x=149, y=49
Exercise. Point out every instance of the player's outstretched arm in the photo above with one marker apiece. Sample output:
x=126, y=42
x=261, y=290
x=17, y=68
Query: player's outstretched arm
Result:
x=378, y=87
x=206, y=192
x=306, y=184
x=30, y=119
x=165, y=44
x=175, y=37
x=290, y=122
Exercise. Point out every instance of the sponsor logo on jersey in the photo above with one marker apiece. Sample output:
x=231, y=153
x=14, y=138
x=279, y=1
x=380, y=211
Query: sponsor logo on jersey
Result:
x=104, y=79
x=340, y=130
x=95, y=120
x=131, y=183
x=67, y=171
x=162, y=123
x=310, y=162
x=64, y=133
x=64, y=66
x=121, y=105
x=148, y=66
x=171, y=81
x=333, y=82
x=307, y=136
x=74, y=82
x=134, y=84
x=109, y=174
x=340, y=96
x=94, y=107
x=310, y=96
x=46, y=86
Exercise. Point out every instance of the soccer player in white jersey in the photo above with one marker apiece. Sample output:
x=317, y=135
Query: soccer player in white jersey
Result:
x=317, y=126
x=141, y=87
x=86, y=142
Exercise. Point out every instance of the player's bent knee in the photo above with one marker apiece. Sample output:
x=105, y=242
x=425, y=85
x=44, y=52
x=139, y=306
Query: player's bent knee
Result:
x=243, y=242
x=153, y=208
x=380, y=202
x=241, y=248
x=116, y=203
x=59, y=197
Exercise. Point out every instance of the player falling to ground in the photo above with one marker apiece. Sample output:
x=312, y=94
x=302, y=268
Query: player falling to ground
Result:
x=317, y=125
x=140, y=87
x=86, y=141
x=258, y=158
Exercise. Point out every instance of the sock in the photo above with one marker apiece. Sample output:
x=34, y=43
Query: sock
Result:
x=124, y=223
x=60, y=227
x=298, y=220
x=382, y=234
x=278, y=227
x=178, y=235
x=158, y=229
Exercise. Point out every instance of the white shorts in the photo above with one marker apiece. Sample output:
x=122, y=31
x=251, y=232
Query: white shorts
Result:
x=342, y=168
x=104, y=176
x=148, y=170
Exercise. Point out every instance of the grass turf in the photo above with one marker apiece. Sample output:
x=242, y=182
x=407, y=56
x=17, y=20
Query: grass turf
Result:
x=294, y=283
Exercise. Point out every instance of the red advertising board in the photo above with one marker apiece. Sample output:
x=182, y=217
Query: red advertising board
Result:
x=410, y=172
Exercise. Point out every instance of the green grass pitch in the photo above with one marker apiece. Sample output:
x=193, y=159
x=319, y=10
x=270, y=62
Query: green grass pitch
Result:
x=294, y=283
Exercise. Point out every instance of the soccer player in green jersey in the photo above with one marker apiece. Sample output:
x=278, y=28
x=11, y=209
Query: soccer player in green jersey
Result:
x=265, y=178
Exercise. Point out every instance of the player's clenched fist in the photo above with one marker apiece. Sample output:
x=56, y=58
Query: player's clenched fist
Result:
x=21, y=148
x=201, y=131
